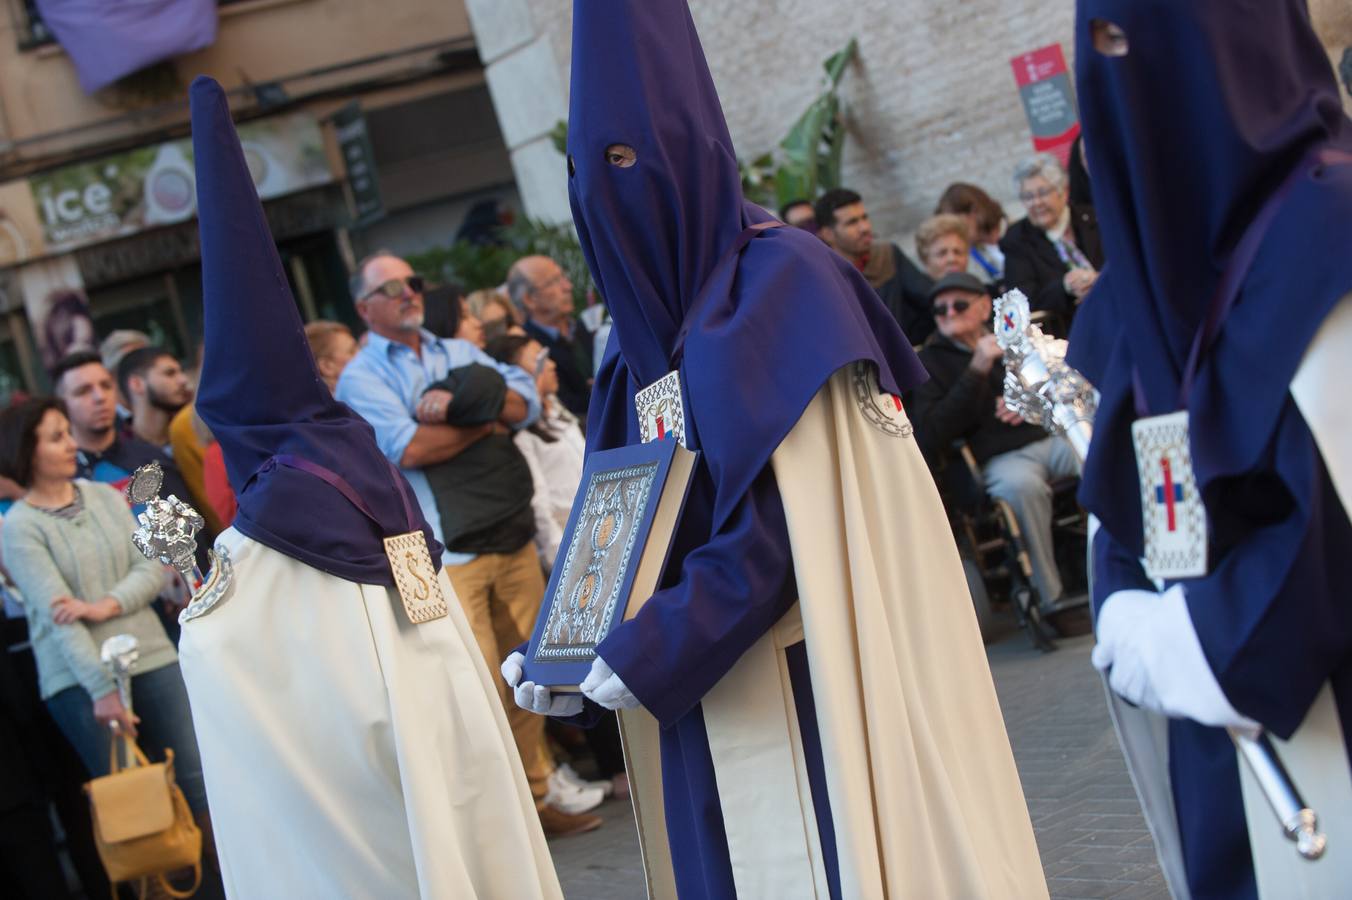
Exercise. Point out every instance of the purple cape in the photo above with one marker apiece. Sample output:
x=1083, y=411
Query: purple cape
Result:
x=261, y=395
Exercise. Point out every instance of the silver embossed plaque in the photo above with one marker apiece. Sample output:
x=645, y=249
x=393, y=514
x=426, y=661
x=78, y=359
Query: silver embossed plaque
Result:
x=589, y=588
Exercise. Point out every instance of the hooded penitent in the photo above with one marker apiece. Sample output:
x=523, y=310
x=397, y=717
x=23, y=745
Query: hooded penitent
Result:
x=1221, y=113
x=262, y=396
x=764, y=329
x=1214, y=106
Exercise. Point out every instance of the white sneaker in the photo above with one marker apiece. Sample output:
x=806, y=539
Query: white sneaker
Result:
x=569, y=774
x=567, y=797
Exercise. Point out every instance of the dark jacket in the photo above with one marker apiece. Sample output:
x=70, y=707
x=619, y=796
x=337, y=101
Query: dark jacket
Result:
x=573, y=356
x=906, y=297
x=484, y=492
x=959, y=404
x=1033, y=266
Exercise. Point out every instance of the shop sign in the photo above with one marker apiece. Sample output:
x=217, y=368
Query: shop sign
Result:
x=350, y=127
x=116, y=196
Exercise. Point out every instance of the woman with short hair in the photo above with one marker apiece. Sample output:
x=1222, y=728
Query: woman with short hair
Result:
x=333, y=346
x=943, y=244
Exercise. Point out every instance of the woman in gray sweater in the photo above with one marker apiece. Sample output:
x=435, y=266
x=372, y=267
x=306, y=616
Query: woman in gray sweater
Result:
x=67, y=544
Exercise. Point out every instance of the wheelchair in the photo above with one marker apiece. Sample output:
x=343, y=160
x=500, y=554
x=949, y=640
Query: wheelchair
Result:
x=988, y=535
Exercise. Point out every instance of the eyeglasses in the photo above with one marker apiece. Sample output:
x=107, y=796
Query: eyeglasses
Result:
x=395, y=287
x=1039, y=194
x=959, y=307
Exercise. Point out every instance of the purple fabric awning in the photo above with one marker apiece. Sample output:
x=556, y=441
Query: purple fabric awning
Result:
x=108, y=39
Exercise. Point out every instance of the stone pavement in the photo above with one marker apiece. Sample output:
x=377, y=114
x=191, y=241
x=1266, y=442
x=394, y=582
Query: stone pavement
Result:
x=1093, y=841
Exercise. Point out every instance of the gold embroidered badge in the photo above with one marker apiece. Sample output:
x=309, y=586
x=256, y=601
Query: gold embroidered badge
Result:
x=415, y=577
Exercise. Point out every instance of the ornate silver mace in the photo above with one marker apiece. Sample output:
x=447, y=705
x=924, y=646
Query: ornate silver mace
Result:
x=168, y=533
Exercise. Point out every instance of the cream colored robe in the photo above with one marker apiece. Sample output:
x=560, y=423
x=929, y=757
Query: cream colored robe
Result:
x=349, y=753
x=924, y=795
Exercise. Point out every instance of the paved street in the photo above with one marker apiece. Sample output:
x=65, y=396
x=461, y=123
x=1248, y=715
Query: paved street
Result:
x=1093, y=841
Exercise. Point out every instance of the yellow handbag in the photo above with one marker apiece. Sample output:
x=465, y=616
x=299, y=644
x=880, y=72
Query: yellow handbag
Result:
x=142, y=824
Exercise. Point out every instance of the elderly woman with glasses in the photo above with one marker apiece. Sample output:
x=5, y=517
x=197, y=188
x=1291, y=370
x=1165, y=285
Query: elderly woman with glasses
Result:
x=1054, y=254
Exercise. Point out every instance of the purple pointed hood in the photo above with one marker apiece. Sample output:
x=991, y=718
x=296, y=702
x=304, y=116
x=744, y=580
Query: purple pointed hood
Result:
x=764, y=328
x=261, y=394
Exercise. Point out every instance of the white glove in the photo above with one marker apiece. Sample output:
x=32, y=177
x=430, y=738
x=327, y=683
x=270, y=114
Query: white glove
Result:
x=604, y=688
x=1148, y=646
x=537, y=698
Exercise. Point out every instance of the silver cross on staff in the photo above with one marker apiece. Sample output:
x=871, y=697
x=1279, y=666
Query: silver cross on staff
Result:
x=168, y=533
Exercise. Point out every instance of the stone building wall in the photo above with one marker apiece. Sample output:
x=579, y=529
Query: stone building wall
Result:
x=930, y=99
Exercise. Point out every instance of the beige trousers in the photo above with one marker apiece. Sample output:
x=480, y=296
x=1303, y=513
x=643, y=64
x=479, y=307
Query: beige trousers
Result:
x=500, y=594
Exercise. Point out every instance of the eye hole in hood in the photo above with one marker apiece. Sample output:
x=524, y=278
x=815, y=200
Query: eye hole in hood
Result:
x=621, y=156
x=1109, y=38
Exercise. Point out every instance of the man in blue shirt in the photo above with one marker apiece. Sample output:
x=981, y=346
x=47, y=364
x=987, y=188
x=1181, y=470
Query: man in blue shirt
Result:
x=387, y=384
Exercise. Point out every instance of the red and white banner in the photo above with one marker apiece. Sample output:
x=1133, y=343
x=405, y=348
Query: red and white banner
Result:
x=1048, y=99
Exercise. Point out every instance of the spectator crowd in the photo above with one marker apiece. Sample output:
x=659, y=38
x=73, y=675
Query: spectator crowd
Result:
x=481, y=398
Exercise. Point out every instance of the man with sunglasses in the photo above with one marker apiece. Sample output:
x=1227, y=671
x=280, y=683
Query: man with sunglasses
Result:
x=444, y=411
x=964, y=402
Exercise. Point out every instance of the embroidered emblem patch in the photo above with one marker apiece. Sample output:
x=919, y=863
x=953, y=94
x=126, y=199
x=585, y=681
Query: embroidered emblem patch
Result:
x=1173, y=517
x=661, y=410
x=883, y=411
x=415, y=577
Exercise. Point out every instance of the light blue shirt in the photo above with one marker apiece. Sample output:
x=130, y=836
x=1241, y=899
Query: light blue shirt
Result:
x=384, y=382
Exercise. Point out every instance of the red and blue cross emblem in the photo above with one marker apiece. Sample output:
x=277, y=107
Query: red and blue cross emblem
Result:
x=1169, y=493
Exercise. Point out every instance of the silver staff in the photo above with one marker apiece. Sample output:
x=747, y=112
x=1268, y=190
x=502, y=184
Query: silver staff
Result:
x=1039, y=385
x=1044, y=390
x=1299, y=822
x=120, y=654
x=168, y=533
